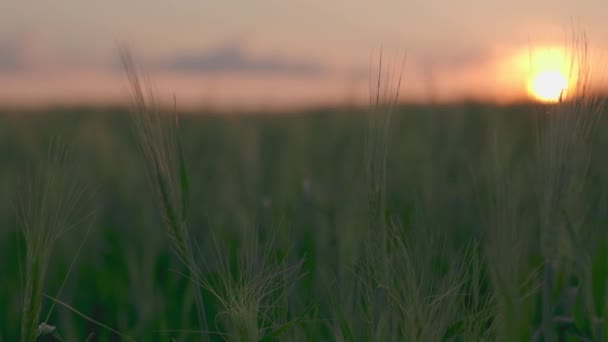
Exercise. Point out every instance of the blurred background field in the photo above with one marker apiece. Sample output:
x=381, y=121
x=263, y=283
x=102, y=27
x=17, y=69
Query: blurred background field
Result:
x=312, y=187
x=466, y=184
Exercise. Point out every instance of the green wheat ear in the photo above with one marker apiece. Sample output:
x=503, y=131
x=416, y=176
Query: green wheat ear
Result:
x=160, y=144
x=51, y=198
x=47, y=212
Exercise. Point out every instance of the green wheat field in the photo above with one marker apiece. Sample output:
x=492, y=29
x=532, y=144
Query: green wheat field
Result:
x=468, y=222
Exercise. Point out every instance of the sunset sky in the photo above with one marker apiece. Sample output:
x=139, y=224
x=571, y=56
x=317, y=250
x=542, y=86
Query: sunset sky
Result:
x=252, y=54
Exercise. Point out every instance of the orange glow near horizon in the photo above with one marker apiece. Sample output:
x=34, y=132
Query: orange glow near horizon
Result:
x=512, y=73
x=551, y=74
x=541, y=73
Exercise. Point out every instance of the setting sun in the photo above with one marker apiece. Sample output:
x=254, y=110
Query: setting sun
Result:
x=548, y=86
x=550, y=70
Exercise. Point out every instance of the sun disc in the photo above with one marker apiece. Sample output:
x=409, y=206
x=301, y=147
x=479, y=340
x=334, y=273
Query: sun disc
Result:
x=548, y=86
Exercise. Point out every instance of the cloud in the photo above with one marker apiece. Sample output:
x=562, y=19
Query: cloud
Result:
x=10, y=59
x=235, y=59
x=24, y=51
x=452, y=60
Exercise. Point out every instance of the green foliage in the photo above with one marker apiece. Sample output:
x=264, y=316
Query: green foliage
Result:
x=599, y=279
x=309, y=227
